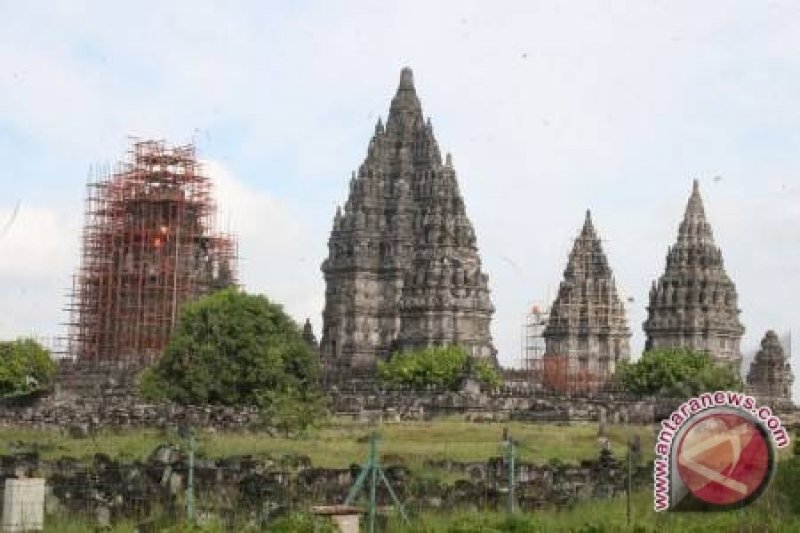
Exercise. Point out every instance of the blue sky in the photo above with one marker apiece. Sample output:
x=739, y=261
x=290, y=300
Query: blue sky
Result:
x=549, y=108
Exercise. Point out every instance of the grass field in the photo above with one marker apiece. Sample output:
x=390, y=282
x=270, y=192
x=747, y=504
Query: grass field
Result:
x=342, y=443
x=610, y=516
x=607, y=516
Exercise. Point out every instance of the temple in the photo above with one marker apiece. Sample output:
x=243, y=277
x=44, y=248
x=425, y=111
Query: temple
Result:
x=403, y=269
x=693, y=305
x=149, y=245
x=587, y=332
x=770, y=378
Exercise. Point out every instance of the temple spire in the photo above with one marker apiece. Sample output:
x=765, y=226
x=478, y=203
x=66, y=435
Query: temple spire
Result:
x=406, y=79
x=695, y=226
x=694, y=304
x=393, y=284
x=588, y=231
x=587, y=331
x=770, y=378
x=405, y=111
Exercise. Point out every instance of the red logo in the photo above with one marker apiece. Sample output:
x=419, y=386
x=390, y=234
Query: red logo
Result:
x=725, y=459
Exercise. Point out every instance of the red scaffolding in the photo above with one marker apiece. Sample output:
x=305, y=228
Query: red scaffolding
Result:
x=149, y=245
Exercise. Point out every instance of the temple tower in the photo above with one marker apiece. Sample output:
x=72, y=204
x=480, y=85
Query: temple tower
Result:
x=149, y=245
x=770, y=378
x=587, y=332
x=403, y=269
x=693, y=304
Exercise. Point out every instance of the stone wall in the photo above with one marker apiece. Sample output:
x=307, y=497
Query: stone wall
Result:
x=265, y=486
x=106, y=397
x=83, y=415
x=390, y=406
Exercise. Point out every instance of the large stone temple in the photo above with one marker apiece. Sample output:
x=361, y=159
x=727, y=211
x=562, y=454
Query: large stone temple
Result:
x=770, y=378
x=693, y=304
x=403, y=269
x=587, y=328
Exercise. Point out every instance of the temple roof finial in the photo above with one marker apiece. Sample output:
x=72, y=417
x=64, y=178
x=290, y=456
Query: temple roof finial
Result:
x=588, y=227
x=588, y=285
x=695, y=226
x=406, y=78
x=405, y=113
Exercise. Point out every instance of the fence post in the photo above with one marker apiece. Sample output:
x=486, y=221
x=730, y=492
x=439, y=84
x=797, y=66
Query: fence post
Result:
x=189, y=435
x=510, y=457
x=628, y=491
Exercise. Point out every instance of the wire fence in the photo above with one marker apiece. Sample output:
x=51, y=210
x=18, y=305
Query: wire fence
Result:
x=170, y=486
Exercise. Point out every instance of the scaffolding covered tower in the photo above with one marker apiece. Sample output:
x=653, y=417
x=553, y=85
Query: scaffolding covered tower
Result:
x=149, y=244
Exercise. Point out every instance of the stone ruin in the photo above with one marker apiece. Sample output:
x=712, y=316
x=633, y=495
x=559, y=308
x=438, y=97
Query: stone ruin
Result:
x=254, y=489
x=694, y=304
x=587, y=333
x=770, y=378
x=403, y=269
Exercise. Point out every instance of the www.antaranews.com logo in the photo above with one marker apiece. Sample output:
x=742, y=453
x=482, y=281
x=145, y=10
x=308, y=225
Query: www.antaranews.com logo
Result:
x=715, y=452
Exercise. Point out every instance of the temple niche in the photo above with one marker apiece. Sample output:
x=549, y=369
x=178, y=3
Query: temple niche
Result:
x=403, y=269
x=587, y=332
x=770, y=378
x=694, y=304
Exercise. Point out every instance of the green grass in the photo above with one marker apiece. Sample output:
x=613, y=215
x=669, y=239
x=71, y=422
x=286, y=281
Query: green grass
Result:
x=341, y=443
x=610, y=516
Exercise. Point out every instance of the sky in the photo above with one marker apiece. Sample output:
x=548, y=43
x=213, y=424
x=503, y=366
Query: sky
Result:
x=548, y=107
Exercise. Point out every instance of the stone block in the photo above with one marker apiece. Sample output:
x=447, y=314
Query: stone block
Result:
x=23, y=505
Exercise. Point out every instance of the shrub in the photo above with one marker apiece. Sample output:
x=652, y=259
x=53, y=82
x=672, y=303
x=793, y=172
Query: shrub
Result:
x=438, y=367
x=232, y=348
x=675, y=373
x=25, y=366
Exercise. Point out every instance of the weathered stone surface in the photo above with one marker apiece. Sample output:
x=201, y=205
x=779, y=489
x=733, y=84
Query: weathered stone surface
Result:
x=770, y=378
x=694, y=303
x=403, y=269
x=587, y=326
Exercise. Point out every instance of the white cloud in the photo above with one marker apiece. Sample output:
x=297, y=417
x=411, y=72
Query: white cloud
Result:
x=35, y=242
x=548, y=108
x=278, y=251
x=37, y=249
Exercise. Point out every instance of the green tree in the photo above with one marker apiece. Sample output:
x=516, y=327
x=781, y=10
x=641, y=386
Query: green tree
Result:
x=25, y=366
x=675, y=373
x=233, y=348
x=439, y=367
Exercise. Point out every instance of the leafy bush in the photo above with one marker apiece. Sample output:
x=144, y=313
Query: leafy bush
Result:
x=232, y=348
x=438, y=367
x=486, y=374
x=676, y=373
x=25, y=366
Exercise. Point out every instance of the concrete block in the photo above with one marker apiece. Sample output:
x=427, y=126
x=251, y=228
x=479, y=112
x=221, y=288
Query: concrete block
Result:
x=23, y=505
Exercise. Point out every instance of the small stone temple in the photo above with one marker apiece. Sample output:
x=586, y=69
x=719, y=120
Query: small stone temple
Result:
x=694, y=303
x=770, y=378
x=403, y=269
x=309, y=337
x=587, y=330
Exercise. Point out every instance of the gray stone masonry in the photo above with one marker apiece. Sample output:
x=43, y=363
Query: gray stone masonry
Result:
x=403, y=269
x=693, y=304
x=770, y=378
x=587, y=323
